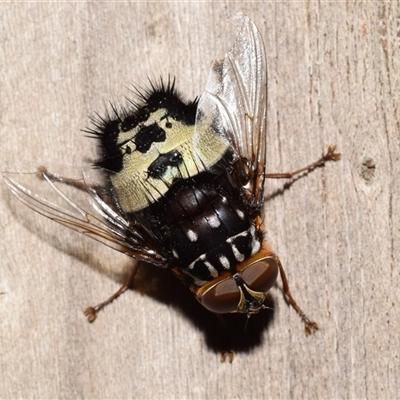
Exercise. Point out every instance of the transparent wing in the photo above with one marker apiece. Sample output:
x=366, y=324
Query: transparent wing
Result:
x=235, y=99
x=81, y=204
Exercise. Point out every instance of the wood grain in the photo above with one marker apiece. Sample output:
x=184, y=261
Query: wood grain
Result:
x=333, y=79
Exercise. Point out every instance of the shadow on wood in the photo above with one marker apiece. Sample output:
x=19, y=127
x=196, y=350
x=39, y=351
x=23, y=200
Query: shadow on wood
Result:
x=232, y=332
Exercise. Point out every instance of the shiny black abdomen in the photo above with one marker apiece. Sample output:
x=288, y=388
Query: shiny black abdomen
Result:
x=203, y=225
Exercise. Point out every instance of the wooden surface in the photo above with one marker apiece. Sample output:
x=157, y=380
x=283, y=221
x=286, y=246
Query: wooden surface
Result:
x=333, y=78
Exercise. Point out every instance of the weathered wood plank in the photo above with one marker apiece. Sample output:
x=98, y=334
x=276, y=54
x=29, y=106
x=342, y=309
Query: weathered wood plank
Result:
x=333, y=78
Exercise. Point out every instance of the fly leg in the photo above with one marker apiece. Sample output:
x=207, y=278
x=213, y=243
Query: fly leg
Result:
x=91, y=312
x=43, y=173
x=310, y=326
x=329, y=156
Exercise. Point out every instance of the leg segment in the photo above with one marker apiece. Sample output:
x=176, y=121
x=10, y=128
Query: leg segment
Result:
x=310, y=326
x=329, y=156
x=91, y=312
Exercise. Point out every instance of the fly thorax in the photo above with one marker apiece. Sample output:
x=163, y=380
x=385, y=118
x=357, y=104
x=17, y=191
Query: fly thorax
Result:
x=159, y=152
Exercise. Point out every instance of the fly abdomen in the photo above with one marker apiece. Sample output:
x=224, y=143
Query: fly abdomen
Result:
x=205, y=227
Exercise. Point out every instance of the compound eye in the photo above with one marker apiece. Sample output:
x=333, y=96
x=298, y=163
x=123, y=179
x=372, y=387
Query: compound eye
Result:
x=261, y=276
x=222, y=298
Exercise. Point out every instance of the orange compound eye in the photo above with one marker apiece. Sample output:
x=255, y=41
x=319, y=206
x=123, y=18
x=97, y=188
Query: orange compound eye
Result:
x=261, y=275
x=222, y=298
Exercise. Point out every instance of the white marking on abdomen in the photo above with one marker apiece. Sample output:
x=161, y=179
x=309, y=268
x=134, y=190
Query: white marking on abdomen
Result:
x=238, y=255
x=213, y=271
x=192, y=235
x=214, y=221
x=240, y=213
x=224, y=262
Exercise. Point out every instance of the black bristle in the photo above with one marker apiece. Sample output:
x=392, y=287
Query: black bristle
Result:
x=124, y=118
